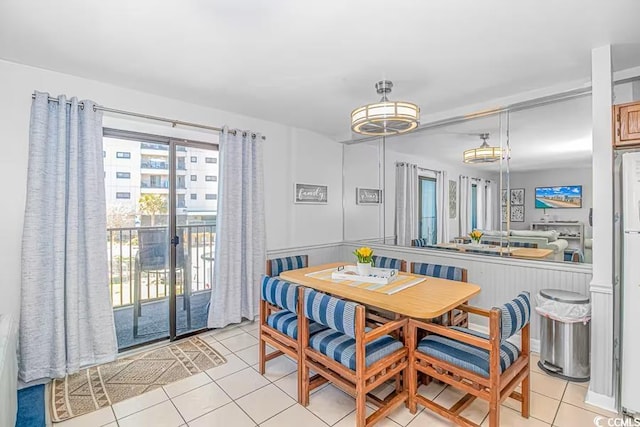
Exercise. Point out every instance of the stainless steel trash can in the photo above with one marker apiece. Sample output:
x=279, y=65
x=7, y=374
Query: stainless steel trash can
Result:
x=564, y=341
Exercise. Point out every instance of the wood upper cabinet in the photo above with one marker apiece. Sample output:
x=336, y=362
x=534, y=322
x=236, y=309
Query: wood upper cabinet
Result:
x=626, y=124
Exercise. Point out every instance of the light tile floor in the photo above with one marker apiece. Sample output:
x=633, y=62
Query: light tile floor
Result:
x=235, y=394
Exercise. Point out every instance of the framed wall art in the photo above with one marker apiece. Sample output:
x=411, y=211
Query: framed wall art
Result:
x=453, y=199
x=368, y=196
x=310, y=194
x=517, y=213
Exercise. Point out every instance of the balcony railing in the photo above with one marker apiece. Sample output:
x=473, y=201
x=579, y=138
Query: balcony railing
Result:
x=195, y=266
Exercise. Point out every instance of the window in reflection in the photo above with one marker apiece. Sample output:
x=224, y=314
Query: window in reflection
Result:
x=428, y=217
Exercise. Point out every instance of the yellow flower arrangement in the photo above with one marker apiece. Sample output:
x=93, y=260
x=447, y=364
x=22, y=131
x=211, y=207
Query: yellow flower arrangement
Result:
x=364, y=255
x=476, y=235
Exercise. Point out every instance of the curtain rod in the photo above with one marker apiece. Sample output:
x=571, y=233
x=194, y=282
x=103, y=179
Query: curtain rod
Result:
x=173, y=122
x=419, y=168
x=475, y=179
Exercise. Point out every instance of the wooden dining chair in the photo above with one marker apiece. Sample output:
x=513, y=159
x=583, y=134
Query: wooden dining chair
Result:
x=484, y=366
x=388, y=262
x=354, y=359
x=454, y=317
x=279, y=308
x=278, y=265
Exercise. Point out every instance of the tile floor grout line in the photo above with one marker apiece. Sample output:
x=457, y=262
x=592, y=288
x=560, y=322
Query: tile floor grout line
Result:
x=234, y=401
x=553, y=423
x=275, y=415
x=179, y=413
x=207, y=413
x=140, y=410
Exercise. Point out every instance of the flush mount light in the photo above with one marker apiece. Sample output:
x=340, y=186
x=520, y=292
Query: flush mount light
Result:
x=483, y=154
x=385, y=117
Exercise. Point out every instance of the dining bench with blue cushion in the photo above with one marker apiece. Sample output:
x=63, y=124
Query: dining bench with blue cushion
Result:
x=354, y=358
x=486, y=366
x=453, y=317
x=279, y=308
x=276, y=266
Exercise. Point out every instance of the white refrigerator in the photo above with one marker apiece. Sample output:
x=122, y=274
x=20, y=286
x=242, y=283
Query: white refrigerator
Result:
x=630, y=370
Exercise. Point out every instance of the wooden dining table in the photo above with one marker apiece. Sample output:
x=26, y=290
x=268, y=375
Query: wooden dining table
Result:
x=428, y=299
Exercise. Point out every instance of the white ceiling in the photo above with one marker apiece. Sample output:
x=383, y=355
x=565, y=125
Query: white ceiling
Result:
x=308, y=64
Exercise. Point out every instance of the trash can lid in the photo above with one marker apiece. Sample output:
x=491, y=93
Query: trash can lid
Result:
x=564, y=296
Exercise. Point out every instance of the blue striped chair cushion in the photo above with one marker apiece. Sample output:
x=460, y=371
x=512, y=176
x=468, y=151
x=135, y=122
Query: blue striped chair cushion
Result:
x=385, y=262
x=515, y=314
x=436, y=270
x=280, y=293
x=342, y=348
x=335, y=313
x=421, y=243
x=279, y=265
x=467, y=356
x=287, y=323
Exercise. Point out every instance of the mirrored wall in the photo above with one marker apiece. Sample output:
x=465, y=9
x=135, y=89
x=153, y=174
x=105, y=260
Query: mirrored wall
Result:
x=527, y=190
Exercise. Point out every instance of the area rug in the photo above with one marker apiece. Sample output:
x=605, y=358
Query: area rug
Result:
x=130, y=376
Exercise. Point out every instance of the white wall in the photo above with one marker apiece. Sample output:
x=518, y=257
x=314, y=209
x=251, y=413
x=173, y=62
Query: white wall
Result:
x=553, y=178
x=291, y=155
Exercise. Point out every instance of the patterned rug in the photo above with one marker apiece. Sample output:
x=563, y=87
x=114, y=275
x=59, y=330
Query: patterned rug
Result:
x=103, y=385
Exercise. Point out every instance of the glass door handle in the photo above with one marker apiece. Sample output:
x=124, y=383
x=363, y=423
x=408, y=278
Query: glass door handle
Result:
x=175, y=240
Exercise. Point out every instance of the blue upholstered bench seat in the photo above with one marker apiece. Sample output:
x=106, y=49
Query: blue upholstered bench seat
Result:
x=287, y=323
x=466, y=356
x=342, y=348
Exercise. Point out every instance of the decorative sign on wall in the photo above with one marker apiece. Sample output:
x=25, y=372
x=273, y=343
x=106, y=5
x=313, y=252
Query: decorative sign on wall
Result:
x=453, y=199
x=311, y=194
x=517, y=204
x=368, y=196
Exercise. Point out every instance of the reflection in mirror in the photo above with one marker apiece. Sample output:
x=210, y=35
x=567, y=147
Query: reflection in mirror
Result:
x=363, y=191
x=532, y=204
x=434, y=198
x=551, y=178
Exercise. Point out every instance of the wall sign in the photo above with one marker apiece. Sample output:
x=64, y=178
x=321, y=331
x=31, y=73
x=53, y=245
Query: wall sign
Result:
x=368, y=196
x=310, y=194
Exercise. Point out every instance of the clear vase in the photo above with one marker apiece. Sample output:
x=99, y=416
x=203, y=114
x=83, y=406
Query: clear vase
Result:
x=363, y=268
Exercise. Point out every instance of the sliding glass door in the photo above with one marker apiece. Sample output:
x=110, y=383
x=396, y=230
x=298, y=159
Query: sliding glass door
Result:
x=195, y=209
x=161, y=208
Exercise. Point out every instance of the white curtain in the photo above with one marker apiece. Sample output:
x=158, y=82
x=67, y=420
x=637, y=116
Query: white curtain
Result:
x=240, y=233
x=442, y=207
x=481, y=204
x=491, y=222
x=406, y=203
x=66, y=317
x=464, y=214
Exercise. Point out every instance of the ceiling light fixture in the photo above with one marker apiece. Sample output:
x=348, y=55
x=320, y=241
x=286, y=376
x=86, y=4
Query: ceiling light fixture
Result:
x=484, y=154
x=385, y=117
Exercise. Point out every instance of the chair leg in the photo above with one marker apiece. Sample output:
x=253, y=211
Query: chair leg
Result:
x=411, y=371
x=526, y=396
x=494, y=407
x=361, y=405
x=262, y=361
x=303, y=378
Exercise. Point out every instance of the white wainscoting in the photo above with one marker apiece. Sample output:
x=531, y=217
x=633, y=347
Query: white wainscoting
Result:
x=501, y=279
x=318, y=254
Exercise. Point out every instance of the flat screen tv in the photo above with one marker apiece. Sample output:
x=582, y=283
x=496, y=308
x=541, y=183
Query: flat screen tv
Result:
x=569, y=196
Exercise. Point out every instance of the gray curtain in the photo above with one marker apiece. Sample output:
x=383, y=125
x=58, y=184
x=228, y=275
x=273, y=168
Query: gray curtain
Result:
x=66, y=317
x=442, y=207
x=406, y=203
x=240, y=232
